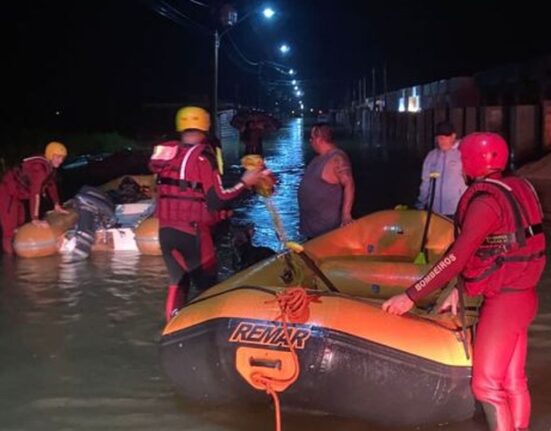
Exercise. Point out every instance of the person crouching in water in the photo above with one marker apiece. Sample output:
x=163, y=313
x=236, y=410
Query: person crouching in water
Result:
x=190, y=201
x=27, y=182
x=499, y=253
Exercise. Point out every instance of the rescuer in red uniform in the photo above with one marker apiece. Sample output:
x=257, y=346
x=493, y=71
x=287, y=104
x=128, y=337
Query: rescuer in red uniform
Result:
x=190, y=201
x=28, y=181
x=499, y=252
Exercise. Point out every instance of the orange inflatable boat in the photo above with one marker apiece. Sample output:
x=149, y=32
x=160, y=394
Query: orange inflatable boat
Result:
x=277, y=328
x=32, y=241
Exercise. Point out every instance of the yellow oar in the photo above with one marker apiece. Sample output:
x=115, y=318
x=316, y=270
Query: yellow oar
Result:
x=422, y=258
x=219, y=160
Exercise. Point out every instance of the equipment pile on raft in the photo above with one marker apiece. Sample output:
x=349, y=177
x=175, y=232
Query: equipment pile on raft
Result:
x=278, y=328
x=115, y=216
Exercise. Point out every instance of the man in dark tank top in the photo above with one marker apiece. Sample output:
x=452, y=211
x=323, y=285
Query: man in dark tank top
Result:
x=326, y=192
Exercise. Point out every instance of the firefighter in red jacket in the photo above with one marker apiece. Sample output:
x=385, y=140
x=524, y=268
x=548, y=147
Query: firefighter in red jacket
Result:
x=190, y=201
x=28, y=181
x=499, y=253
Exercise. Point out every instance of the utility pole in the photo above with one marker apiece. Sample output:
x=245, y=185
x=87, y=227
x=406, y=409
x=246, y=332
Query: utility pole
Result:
x=385, y=114
x=373, y=89
x=385, y=85
x=259, y=100
x=214, y=113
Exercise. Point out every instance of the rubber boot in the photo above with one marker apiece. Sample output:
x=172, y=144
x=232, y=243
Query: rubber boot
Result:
x=499, y=419
x=174, y=301
x=520, y=410
x=7, y=245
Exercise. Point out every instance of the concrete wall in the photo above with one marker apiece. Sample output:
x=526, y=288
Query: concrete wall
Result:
x=527, y=128
x=524, y=137
x=513, y=100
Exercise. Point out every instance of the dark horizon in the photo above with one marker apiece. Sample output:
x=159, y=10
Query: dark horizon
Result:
x=97, y=62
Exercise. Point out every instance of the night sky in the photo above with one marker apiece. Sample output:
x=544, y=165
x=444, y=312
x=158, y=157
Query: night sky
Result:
x=99, y=61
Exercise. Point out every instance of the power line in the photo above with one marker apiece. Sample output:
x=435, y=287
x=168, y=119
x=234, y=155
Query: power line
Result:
x=245, y=59
x=276, y=66
x=244, y=63
x=238, y=62
x=166, y=10
x=198, y=3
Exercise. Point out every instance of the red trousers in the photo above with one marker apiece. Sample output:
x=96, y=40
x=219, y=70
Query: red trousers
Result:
x=12, y=215
x=499, y=379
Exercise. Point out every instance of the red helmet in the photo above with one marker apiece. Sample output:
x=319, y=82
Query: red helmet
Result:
x=483, y=153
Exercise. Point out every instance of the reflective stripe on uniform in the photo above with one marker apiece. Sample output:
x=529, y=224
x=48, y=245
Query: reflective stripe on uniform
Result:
x=164, y=152
x=186, y=159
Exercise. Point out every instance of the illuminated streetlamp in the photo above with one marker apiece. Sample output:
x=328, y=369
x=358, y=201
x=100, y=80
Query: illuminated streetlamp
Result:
x=268, y=13
x=284, y=49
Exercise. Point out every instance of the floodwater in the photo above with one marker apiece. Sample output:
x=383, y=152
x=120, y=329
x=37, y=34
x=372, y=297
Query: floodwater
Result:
x=79, y=342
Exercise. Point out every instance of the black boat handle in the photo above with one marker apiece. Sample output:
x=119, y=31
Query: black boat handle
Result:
x=267, y=363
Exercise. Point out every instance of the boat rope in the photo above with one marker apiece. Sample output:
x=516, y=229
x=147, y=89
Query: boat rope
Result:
x=276, y=220
x=292, y=265
x=294, y=306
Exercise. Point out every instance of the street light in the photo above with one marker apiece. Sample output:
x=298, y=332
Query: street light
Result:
x=284, y=49
x=268, y=13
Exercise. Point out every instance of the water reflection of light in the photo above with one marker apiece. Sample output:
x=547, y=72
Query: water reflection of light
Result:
x=45, y=284
x=285, y=157
x=125, y=263
x=122, y=267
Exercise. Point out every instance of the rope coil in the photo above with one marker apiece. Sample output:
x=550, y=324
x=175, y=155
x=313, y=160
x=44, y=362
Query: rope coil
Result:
x=294, y=307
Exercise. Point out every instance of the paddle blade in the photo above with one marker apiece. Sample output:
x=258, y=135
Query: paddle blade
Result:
x=219, y=160
x=294, y=246
x=421, y=259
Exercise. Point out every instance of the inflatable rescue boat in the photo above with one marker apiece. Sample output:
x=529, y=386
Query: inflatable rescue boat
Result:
x=134, y=231
x=277, y=328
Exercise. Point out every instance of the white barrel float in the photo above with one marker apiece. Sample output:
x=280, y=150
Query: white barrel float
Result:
x=147, y=237
x=35, y=241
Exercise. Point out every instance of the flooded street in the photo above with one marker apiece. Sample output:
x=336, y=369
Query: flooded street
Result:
x=79, y=342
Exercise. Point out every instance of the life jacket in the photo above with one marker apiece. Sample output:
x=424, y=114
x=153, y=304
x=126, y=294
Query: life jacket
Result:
x=503, y=257
x=18, y=180
x=181, y=197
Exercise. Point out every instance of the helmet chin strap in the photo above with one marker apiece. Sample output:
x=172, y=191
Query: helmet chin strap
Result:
x=469, y=180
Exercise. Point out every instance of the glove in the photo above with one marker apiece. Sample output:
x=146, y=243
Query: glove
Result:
x=265, y=184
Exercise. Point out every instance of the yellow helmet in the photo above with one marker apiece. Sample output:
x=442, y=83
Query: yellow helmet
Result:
x=192, y=117
x=55, y=148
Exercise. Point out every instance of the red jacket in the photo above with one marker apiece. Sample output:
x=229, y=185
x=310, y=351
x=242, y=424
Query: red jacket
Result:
x=189, y=187
x=494, y=249
x=34, y=176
